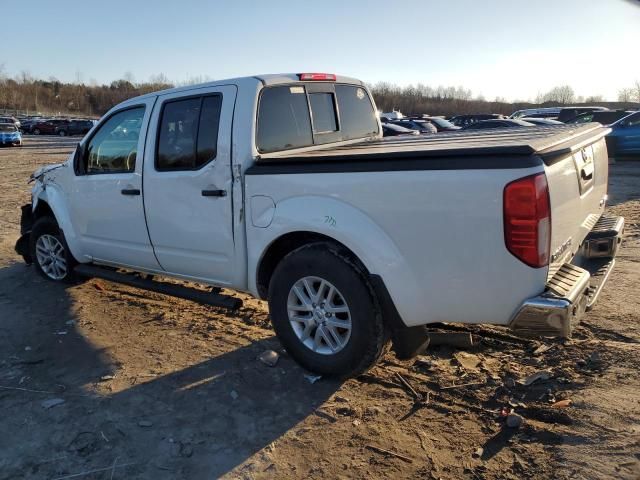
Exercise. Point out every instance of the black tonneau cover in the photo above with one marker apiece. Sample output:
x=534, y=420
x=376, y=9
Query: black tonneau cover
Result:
x=529, y=144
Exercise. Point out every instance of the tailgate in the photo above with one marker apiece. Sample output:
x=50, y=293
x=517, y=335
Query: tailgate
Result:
x=577, y=174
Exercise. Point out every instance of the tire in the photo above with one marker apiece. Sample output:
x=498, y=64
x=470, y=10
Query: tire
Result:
x=62, y=133
x=36, y=131
x=49, y=251
x=322, y=343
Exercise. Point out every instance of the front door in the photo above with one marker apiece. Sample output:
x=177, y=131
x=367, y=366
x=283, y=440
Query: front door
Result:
x=106, y=199
x=629, y=135
x=187, y=183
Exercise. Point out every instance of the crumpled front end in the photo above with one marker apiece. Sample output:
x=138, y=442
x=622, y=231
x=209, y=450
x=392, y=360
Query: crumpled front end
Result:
x=26, y=223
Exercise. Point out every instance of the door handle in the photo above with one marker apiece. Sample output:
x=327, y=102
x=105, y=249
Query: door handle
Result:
x=130, y=191
x=214, y=193
x=587, y=172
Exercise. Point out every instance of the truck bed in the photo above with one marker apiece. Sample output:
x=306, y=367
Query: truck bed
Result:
x=499, y=148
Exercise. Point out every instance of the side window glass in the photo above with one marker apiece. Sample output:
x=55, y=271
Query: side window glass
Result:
x=208, y=130
x=633, y=121
x=178, y=132
x=188, y=136
x=113, y=149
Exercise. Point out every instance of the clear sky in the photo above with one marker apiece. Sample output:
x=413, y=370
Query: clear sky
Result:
x=508, y=48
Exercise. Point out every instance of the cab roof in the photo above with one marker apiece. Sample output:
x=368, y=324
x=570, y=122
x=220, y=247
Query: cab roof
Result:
x=264, y=79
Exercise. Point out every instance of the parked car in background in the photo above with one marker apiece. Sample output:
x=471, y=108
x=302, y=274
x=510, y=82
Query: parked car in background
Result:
x=502, y=123
x=48, y=127
x=440, y=124
x=27, y=123
x=569, y=113
x=393, y=130
x=14, y=120
x=606, y=117
x=423, y=127
x=464, y=120
x=393, y=115
x=10, y=135
x=74, y=127
x=549, y=112
x=541, y=121
x=624, y=139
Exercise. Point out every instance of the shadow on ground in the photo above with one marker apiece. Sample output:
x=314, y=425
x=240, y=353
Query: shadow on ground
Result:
x=197, y=422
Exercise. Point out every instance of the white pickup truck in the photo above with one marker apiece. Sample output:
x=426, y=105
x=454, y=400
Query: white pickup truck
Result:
x=281, y=186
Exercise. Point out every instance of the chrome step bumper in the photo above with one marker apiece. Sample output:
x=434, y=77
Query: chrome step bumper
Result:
x=605, y=237
x=575, y=287
x=562, y=304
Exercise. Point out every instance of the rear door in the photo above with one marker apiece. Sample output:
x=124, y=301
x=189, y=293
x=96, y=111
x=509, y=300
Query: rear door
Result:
x=188, y=181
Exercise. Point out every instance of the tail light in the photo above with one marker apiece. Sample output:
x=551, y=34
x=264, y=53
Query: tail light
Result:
x=527, y=220
x=317, y=76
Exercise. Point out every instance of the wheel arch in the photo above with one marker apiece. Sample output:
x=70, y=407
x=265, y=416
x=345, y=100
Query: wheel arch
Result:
x=287, y=243
x=51, y=202
x=43, y=209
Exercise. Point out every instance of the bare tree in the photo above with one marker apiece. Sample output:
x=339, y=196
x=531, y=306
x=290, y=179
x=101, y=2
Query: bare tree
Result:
x=563, y=94
x=625, y=95
x=636, y=91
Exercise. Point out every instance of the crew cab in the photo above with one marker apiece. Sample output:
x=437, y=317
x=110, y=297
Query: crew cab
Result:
x=282, y=186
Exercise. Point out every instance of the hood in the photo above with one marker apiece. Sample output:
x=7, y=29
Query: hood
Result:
x=42, y=170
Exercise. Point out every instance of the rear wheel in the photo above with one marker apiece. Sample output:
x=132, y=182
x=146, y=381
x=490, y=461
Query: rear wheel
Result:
x=323, y=311
x=62, y=133
x=36, y=131
x=50, y=252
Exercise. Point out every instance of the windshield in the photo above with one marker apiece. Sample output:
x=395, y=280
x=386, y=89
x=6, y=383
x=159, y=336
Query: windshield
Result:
x=4, y=127
x=441, y=122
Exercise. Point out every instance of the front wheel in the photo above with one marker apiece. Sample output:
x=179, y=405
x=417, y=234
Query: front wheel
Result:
x=323, y=312
x=50, y=252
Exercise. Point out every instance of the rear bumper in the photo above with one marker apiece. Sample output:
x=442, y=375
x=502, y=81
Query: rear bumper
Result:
x=575, y=288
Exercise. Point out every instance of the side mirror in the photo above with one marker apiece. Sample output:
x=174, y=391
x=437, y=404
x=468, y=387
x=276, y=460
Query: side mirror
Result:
x=77, y=160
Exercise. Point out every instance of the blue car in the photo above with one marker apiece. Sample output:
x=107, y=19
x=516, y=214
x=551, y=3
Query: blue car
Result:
x=10, y=135
x=624, y=139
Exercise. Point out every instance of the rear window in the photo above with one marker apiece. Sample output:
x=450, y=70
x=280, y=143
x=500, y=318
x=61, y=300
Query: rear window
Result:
x=357, y=117
x=323, y=112
x=293, y=117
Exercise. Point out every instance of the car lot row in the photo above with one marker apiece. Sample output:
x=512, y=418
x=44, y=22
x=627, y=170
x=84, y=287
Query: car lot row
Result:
x=50, y=125
x=624, y=138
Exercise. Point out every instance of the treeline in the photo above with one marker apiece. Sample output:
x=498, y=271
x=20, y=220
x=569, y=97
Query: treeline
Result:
x=27, y=95
x=459, y=101
x=24, y=94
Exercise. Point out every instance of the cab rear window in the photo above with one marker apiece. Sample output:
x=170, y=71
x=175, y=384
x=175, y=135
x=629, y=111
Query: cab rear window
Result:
x=294, y=116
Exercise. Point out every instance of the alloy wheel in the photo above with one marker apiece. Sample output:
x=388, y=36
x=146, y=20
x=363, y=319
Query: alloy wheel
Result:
x=319, y=315
x=51, y=257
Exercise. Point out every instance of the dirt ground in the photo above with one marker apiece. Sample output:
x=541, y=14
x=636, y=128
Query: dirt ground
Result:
x=153, y=387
